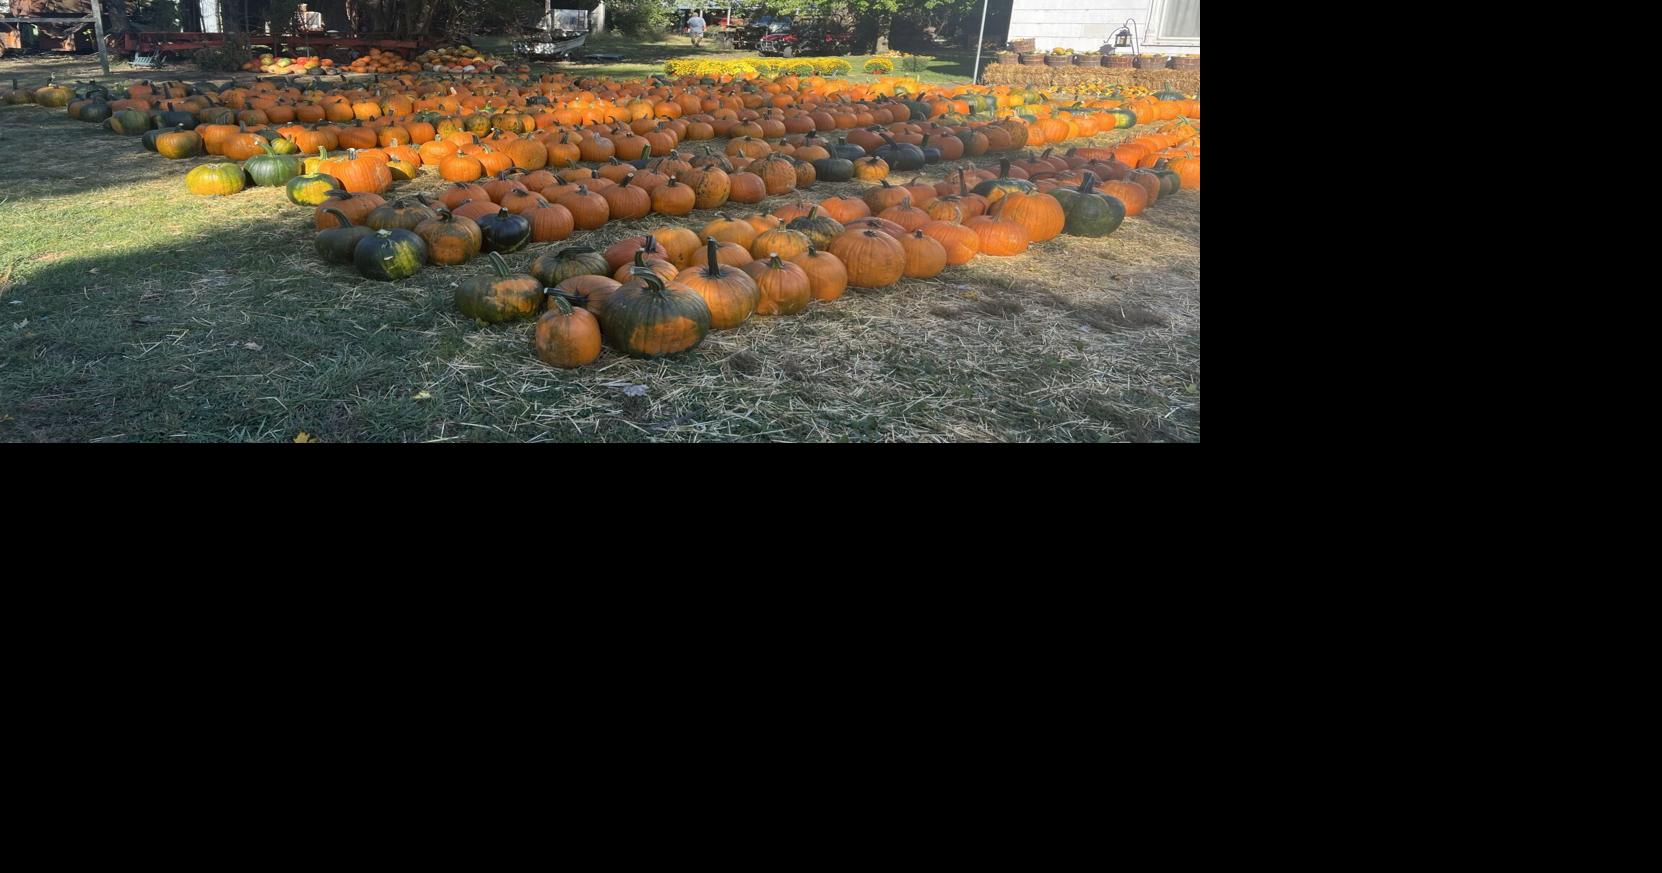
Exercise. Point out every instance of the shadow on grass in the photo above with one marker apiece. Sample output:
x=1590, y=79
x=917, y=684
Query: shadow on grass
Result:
x=44, y=153
x=228, y=334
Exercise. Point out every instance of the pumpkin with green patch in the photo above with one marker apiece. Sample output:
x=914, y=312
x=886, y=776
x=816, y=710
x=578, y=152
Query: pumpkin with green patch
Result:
x=501, y=295
x=390, y=255
x=311, y=190
x=647, y=317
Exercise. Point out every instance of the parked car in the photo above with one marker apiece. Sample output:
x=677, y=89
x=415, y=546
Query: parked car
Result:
x=749, y=36
x=808, y=38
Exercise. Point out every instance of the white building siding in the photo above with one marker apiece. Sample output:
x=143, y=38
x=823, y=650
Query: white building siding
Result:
x=1087, y=25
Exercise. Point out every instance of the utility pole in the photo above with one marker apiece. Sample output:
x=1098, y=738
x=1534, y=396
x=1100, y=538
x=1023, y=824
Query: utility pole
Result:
x=98, y=33
x=979, y=41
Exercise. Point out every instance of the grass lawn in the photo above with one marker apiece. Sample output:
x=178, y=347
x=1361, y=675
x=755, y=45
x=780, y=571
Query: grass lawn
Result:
x=133, y=311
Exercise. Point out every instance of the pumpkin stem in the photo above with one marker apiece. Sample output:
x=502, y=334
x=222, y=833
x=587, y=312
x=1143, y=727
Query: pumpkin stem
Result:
x=339, y=216
x=1089, y=183
x=558, y=298
x=500, y=264
x=712, y=269
x=652, y=281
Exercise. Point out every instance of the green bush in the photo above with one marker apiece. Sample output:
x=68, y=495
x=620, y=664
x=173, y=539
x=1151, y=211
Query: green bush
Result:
x=642, y=19
x=227, y=58
x=801, y=68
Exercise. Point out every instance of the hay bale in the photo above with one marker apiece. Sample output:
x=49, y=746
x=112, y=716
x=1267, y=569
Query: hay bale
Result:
x=1090, y=79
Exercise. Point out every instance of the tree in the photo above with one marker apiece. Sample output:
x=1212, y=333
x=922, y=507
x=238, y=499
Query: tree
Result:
x=873, y=18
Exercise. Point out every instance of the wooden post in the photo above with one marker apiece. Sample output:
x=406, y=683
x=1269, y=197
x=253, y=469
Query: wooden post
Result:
x=98, y=32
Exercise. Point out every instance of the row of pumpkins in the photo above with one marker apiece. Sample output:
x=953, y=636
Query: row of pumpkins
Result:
x=662, y=292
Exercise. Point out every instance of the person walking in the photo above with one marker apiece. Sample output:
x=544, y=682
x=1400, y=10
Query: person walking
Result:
x=695, y=27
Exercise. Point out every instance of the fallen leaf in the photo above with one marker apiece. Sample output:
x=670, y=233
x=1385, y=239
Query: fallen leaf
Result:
x=303, y=437
x=422, y=395
x=253, y=347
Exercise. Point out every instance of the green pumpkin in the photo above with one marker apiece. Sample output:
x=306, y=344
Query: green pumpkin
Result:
x=149, y=140
x=1089, y=214
x=216, y=115
x=1169, y=180
x=1122, y=118
x=283, y=146
x=271, y=169
x=556, y=267
x=311, y=190
x=833, y=169
x=94, y=111
x=390, y=254
x=399, y=213
x=130, y=122
x=1167, y=93
x=337, y=244
x=217, y=179
x=172, y=118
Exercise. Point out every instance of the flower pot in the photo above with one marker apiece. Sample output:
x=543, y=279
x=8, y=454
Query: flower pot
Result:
x=1087, y=60
x=1058, y=60
x=1151, y=62
x=1186, y=63
x=1117, y=61
x=1032, y=60
x=1005, y=57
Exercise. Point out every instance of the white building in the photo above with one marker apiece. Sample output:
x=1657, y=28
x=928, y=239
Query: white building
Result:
x=1170, y=27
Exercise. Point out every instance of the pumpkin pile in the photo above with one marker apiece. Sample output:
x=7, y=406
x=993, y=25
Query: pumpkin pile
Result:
x=283, y=64
x=534, y=161
x=378, y=61
x=458, y=59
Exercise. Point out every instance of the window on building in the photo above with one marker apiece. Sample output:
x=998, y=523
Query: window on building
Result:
x=1179, y=20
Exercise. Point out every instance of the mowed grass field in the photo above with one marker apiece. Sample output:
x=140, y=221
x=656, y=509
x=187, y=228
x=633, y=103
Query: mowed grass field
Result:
x=133, y=311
